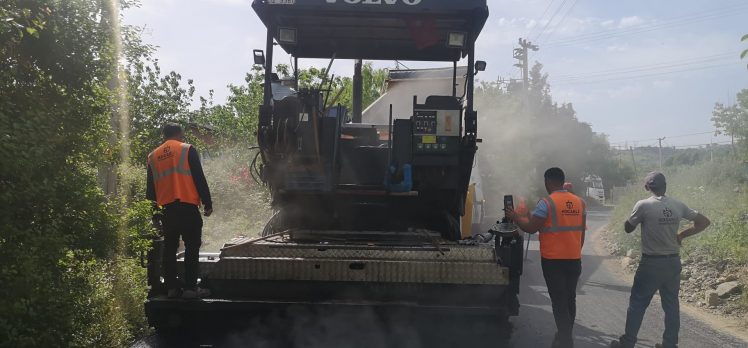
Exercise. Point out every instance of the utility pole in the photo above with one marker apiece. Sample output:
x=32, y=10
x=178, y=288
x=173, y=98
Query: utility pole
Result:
x=660, y=141
x=521, y=54
x=633, y=160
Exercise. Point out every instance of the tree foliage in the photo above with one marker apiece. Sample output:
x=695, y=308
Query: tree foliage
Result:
x=733, y=120
x=745, y=52
x=59, y=234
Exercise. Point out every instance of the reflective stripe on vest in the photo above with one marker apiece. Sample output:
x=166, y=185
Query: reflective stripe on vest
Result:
x=181, y=167
x=554, y=227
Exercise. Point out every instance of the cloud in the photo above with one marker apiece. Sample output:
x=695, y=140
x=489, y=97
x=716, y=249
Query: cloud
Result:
x=662, y=84
x=632, y=21
x=617, y=48
x=608, y=24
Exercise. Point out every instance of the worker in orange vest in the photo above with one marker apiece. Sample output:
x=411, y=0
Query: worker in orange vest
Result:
x=177, y=183
x=522, y=211
x=569, y=187
x=561, y=220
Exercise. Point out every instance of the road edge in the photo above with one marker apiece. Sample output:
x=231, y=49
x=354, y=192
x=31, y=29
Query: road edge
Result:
x=715, y=322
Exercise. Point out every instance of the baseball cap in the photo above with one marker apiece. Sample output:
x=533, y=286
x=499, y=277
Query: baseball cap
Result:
x=655, y=180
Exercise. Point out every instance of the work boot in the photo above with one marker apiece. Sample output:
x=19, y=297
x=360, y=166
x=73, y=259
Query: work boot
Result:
x=660, y=345
x=559, y=342
x=619, y=343
x=174, y=293
x=195, y=293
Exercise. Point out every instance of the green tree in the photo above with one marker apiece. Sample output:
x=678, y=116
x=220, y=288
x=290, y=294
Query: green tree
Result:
x=59, y=234
x=745, y=52
x=154, y=99
x=733, y=120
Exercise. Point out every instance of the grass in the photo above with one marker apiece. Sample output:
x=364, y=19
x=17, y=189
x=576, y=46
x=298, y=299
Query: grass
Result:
x=717, y=190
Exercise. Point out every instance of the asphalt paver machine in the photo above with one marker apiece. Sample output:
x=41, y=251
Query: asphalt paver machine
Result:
x=367, y=215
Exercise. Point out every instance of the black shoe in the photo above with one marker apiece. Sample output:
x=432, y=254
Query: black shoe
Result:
x=620, y=344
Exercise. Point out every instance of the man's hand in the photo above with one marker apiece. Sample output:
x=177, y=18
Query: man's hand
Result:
x=510, y=213
x=700, y=223
x=208, y=211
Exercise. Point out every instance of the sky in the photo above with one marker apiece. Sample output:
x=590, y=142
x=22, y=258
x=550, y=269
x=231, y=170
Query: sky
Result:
x=636, y=70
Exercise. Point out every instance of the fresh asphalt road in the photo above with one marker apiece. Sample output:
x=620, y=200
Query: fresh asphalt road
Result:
x=602, y=299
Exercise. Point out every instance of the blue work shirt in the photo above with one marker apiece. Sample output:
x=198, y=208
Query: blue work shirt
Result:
x=541, y=210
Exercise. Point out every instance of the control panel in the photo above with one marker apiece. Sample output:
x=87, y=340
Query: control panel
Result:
x=436, y=132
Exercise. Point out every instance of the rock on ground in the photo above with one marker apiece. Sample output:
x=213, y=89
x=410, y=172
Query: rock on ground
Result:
x=727, y=289
x=711, y=298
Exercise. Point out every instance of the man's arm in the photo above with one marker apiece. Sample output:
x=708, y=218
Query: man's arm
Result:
x=700, y=223
x=533, y=225
x=150, y=189
x=584, y=221
x=634, y=219
x=199, y=178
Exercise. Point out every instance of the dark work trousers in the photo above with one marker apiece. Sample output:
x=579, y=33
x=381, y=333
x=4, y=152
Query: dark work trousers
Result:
x=182, y=219
x=561, y=277
x=655, y=274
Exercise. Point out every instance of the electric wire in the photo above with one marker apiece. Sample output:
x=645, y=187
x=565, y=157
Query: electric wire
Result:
x=540, y=19
x=561, y=21
x=648, y=67
x=674, y=22
x=666, y=137
x=643, y=76
x=551, y=20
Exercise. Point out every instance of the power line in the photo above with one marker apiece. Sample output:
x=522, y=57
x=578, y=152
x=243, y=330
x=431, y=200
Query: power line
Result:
x=633, y=77
x=551, y=20
x=698, y=145
x=657, y=66
x=675, y=22
x=669, y=137
x=563, y=18
x=540, y=19
x=623, y=148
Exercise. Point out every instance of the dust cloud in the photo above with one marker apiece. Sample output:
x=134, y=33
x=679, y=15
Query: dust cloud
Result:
x=241, y=205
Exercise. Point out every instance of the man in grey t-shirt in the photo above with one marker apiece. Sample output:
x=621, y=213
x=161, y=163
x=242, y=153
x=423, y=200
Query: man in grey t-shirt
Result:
x=659, y=269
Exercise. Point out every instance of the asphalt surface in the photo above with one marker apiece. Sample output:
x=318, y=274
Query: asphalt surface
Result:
x=602, y=299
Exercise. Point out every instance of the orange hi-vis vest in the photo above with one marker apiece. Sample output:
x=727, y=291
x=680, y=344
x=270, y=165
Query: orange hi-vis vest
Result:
x=561, y=236
x=522, y=211
x=172, y=177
